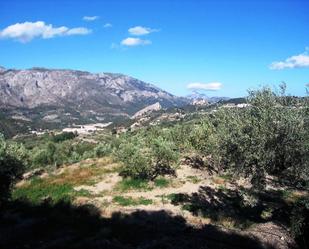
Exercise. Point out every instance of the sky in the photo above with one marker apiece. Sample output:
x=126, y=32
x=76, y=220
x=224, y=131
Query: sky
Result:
x=216, y=47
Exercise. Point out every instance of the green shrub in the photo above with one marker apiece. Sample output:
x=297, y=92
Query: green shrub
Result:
x=137, y=162
x=203, y=139
x=63, y=136
x=102, y=149
x=11, y=168
x=45, y=155
x=164, y=157
x=147, y=158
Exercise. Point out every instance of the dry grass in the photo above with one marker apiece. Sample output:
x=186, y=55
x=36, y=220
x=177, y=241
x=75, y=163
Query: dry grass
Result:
x=218, y=180
x=293, y=196
x=87, y=173
x=227, y=222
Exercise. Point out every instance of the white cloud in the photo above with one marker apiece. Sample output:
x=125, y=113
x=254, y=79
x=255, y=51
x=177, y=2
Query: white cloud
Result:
x=212, y=86
x=139, y=30
x=296, y=61
x=130, y=41
x=107, y=25
x=78, y=31
x=25, y=32
x=90, y=18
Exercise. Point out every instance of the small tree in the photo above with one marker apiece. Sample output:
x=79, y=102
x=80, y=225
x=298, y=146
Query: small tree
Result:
x=147, y=158
x=136, y=162
x=11, y=169
x=164, y=157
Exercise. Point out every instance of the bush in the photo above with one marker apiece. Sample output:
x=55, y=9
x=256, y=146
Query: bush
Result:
x=45, y=156
x=63, y=136
x=102, y=149
x=147, y=158
x=164, y=157
x=202, y=137
x=137, y=162
x=11, y=169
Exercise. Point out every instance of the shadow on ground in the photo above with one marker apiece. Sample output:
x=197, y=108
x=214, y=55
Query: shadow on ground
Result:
x=63, y=225
x=225, y=203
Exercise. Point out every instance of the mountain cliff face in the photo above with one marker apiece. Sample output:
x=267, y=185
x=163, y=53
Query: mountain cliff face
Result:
x=64, y=96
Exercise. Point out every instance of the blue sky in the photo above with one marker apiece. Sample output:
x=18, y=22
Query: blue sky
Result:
x=220, y=47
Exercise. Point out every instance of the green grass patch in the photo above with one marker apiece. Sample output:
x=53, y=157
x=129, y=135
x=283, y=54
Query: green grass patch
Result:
x=222, y=188
x=83, y=193
x=129, y=201
x=38, y=190
x=161, y=182
x=128, y=184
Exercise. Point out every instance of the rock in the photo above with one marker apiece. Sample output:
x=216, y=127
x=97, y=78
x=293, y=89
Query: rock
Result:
x=147, y=110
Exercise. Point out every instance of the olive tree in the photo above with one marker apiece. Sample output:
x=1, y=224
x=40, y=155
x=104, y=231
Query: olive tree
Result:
x=11, y=169
x=269, y=137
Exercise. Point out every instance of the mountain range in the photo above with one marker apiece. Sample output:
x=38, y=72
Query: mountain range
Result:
x=58, y=97
x=41, y=98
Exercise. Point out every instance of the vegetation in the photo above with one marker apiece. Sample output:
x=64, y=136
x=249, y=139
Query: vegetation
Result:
x=161, y=182
x=63, y=136
x=11, y=167
x=129, y=201
x=38, y=191
x=147, y=157
x=131, y=183
x=269, y=139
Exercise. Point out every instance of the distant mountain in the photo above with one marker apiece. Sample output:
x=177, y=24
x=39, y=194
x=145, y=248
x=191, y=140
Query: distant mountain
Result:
x=71, y=96
x=196, y=97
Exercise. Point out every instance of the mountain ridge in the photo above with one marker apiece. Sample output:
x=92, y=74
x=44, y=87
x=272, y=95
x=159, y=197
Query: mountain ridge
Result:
x=64, y=96
x=34, y=87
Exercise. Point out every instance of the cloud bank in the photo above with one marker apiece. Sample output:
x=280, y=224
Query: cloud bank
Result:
x=130, y=42
x=27, y=31
x=212, y=86
x=296, y=61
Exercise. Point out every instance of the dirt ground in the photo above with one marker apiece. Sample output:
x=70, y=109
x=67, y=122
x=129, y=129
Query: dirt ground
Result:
x=202, y=199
